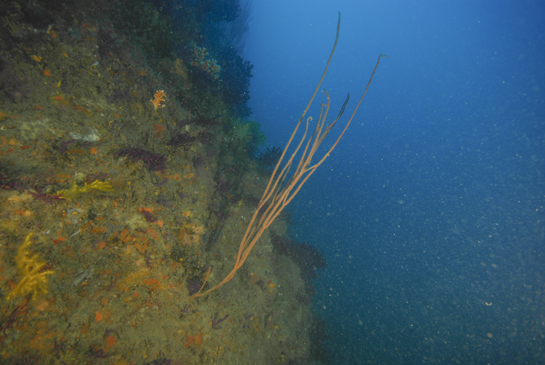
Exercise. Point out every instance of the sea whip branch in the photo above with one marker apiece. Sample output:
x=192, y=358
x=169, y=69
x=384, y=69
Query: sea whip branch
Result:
x=278, y=195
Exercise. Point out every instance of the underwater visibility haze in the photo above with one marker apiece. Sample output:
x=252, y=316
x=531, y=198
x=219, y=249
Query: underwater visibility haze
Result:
x=155, y=210
x=430, y=210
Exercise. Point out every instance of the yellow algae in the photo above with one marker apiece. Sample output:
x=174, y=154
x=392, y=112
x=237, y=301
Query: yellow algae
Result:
x=16, y=198
x=179, y=68
x=76, y=190
x=30, y=267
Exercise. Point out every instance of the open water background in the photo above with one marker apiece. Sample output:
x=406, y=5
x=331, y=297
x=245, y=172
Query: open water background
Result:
x=430, y=210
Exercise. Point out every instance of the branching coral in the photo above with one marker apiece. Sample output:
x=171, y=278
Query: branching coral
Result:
x=235, y=80
x=201, y=59
x=248, y=132
x=32, y=269
x=268, y=160
x=159, y=98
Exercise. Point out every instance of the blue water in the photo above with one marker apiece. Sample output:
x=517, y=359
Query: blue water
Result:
x=430, y=210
